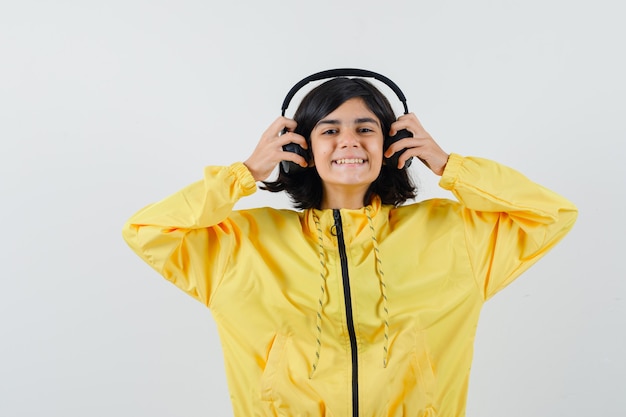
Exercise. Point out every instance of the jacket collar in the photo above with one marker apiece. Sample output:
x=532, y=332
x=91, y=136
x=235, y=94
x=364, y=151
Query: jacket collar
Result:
x=355, y=222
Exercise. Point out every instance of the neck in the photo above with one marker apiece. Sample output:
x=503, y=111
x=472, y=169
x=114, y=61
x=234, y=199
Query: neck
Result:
x=346, y=199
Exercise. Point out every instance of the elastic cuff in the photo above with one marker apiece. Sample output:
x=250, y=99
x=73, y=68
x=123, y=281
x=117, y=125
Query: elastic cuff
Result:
x=451, y=172
x=244, y=178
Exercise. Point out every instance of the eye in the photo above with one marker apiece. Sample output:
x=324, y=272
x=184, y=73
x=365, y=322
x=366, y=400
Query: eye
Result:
x=329, y=132
x=365, y=130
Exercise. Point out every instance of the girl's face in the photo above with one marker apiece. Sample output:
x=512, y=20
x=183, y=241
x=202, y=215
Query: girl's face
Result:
x=347, y=148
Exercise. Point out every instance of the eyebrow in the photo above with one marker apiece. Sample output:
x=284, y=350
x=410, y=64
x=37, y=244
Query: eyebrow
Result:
x=356, y=121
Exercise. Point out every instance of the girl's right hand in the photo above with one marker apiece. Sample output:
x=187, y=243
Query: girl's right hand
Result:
x=269, y=151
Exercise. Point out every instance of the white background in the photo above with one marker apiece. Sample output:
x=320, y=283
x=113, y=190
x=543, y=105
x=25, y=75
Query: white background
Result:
x=107, y=106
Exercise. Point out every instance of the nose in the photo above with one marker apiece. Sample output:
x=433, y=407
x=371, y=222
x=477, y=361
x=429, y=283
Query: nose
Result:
x=348, y=139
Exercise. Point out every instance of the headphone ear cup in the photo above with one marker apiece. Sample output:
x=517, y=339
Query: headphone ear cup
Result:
x=290, y=167
x=393, y=159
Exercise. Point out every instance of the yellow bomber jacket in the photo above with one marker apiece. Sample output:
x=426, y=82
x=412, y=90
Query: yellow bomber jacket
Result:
x=368, y=312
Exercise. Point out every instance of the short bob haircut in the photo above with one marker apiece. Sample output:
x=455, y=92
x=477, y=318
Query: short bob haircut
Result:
x=304, y=187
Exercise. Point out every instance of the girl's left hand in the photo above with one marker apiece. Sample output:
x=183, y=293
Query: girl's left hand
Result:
x=421, y=145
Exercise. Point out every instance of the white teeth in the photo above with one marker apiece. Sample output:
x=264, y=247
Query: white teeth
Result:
x=349, y=161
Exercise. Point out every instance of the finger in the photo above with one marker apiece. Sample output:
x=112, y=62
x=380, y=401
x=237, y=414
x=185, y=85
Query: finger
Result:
x=287, y=125
x=411, y=118
x=409, y=122
x=281, y=125
x=291, y=137
x=294, y=157
x=406, y=143
x=402, y=160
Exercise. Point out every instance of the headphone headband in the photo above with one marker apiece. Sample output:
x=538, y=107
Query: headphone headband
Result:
x=344, y=72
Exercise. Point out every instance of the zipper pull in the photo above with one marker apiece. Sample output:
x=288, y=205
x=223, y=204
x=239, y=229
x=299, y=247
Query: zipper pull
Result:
x=336, y=229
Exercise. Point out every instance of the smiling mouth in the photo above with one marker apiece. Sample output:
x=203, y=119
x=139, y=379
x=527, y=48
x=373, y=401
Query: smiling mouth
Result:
x=349, y=161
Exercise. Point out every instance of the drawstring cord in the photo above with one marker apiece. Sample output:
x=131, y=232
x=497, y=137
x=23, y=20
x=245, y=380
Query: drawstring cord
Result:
x=383, y=286
x=320, y=301
x=322, y=296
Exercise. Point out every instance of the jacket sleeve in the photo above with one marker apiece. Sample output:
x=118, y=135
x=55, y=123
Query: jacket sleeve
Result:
x=188, y=237
x=510, y=222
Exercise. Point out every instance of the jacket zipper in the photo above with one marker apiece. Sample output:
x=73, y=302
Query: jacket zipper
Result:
x=349, y=317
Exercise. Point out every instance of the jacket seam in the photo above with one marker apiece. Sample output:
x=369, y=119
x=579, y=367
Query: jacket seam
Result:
x=469, y=257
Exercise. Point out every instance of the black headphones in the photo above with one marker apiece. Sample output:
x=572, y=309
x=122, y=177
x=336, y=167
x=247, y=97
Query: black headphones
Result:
x=288, y=166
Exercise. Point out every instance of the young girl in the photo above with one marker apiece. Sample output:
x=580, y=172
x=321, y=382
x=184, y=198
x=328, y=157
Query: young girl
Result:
x=355, y=304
